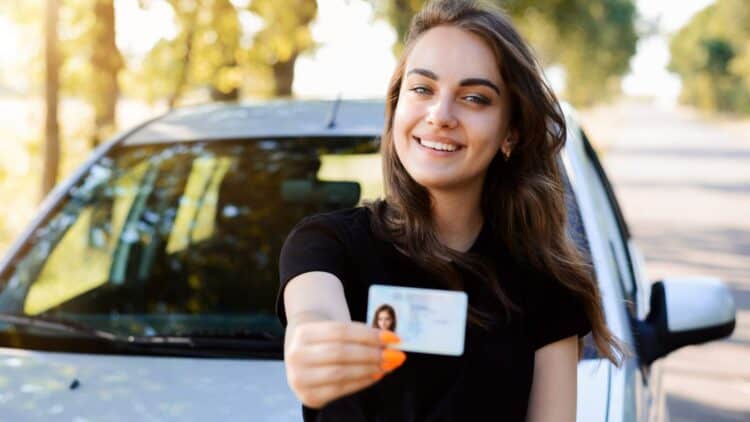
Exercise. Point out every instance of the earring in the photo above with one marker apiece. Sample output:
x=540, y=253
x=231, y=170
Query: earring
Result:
x=509, y=144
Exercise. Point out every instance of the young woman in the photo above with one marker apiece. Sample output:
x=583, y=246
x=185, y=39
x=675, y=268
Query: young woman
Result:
x=385, y=318
x=474, y=202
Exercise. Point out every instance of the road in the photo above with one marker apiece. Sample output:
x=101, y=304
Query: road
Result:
x=683, y=181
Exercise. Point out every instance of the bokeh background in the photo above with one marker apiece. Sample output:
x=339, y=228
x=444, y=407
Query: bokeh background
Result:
x=662, y=88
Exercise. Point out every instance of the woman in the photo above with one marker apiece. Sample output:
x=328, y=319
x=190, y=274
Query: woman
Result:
x=385, y=318
x=474, y=202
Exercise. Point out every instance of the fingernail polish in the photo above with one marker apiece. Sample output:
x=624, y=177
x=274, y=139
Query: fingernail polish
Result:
x=389, y=366
x=389, y=337
x=392, y=359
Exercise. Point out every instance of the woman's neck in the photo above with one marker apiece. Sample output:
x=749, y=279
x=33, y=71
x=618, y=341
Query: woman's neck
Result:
x=458, y=218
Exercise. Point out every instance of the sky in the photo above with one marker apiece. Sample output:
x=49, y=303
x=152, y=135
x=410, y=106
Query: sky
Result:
x=355, y=58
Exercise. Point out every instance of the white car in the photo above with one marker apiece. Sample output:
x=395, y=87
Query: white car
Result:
x=144, y=289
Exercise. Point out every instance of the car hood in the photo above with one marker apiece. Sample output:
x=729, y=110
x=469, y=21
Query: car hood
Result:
x=73, y=386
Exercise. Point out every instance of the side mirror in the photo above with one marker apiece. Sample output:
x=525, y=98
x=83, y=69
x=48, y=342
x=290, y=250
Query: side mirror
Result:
x=684, y=311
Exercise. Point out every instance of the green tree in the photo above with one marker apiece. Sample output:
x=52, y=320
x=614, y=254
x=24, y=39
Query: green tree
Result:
x=712, y=56
x=208, y=51
x=592, y=40
x=202, y=55
x=285, y=35
x=89, y=58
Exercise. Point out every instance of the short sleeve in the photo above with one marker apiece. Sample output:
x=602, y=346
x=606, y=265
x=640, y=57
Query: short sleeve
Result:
x=554, y=313
x=314, y=244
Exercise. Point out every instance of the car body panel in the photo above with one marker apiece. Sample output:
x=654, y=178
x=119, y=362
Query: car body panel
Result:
x=278, y=118
x=593, y=390
x=77, y=386
x=38, y=386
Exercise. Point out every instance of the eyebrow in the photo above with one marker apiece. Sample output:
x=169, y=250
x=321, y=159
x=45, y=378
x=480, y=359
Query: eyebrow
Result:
x=465, y=82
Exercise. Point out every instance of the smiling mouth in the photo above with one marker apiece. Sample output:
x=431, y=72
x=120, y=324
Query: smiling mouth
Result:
x=437, y=146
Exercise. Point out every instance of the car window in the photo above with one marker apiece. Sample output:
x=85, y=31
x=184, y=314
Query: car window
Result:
x=176, y=239
x=610, y=223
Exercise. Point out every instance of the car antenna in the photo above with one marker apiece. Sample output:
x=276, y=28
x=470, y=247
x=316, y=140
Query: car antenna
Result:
x=332, y=117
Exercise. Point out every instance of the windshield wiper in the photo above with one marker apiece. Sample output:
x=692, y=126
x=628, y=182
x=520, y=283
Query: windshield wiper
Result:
x=234, y=340
x=202, y=343
x=58, y=325
x=242, y=334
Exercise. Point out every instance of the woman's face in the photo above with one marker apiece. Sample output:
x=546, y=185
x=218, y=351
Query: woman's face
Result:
x=385, y=322
x=452, y=97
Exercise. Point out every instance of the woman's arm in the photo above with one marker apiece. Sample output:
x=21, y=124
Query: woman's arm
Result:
x=315, y=296
x=327, y=355
x=554, y=387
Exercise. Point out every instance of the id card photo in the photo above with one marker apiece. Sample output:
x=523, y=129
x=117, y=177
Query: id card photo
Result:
x=427, y=320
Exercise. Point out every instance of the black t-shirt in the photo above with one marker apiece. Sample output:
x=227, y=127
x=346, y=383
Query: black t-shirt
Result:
x=490, y=381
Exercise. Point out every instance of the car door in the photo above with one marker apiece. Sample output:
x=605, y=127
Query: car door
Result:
x=632, y=282
x=629, y=393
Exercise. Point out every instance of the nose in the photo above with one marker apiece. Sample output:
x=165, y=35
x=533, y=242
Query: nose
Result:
x=440, y=114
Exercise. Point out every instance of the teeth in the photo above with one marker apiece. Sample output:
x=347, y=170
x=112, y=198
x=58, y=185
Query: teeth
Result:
x=437, y=145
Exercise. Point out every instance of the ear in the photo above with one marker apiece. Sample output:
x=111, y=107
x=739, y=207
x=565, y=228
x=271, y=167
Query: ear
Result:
x=510, y=140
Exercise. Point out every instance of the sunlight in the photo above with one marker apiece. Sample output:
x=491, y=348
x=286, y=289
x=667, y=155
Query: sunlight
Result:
x=139, y=29
x=11, y=45
x=354, y=59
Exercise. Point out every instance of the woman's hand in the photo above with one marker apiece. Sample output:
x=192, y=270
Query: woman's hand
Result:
x=326, y=360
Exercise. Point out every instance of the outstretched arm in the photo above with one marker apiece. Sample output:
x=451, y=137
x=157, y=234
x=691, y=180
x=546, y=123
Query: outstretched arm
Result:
x=327, y=355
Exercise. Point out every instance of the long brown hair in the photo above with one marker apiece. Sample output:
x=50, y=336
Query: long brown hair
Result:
x=523, y=199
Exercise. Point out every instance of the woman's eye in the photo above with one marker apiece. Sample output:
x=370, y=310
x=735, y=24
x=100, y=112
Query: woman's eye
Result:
x=420, y=90
x=479, y=99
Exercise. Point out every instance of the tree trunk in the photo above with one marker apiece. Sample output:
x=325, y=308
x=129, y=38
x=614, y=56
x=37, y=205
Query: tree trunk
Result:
x=106, y=62
x=223, y=17
x=184, y=71
x=283, y=76
x=51, y=89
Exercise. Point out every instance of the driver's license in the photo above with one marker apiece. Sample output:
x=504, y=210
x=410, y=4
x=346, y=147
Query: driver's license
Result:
x=426, y=320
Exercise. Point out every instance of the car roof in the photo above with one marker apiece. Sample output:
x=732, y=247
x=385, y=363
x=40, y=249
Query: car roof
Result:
x=273, y=118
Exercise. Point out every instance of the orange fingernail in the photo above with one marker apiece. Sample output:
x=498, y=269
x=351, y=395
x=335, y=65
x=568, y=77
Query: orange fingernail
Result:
x=390, y=366
x=392, y=359
x=389, y=337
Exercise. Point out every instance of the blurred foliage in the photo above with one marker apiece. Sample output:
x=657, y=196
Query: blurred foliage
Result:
x=285, y=35
x=203, y=54
x=28, y=16
x=89, y=58
x=216, y=55
x=208, y=51
x=712, y=56
x=592, y=41
x=212, y=51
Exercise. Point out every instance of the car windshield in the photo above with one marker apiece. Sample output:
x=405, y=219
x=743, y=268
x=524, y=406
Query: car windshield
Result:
x=183, y=239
